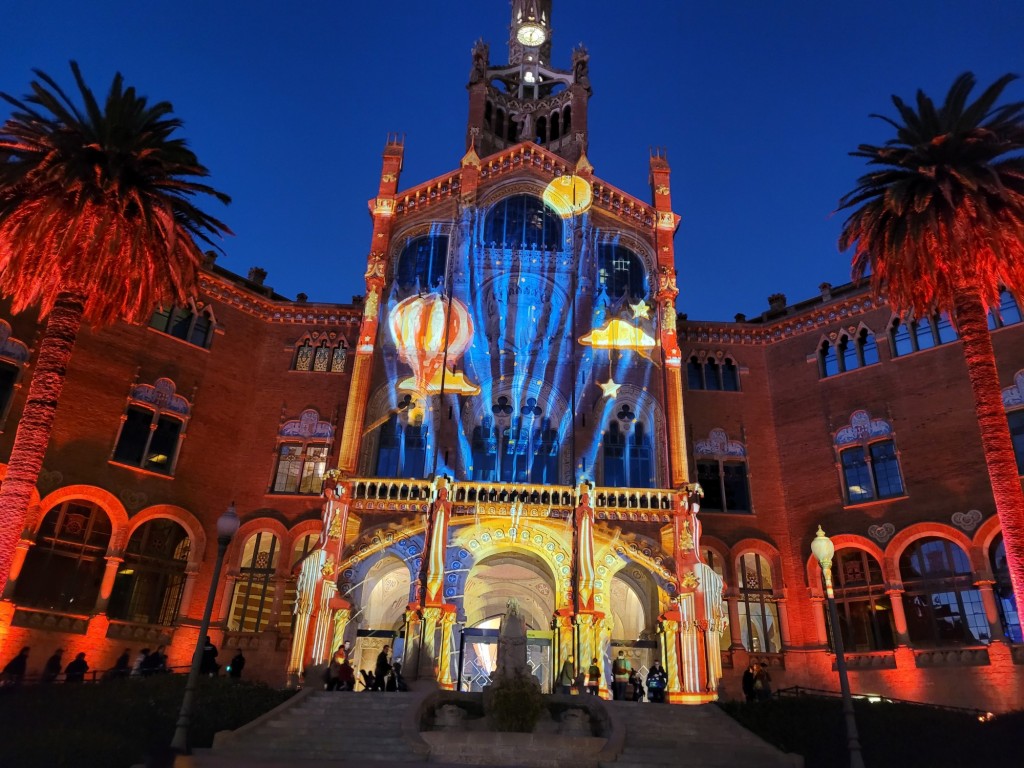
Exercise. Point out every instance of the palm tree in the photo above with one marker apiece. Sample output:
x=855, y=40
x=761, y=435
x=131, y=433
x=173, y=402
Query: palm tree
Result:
x=97, y=224
x=939, y=224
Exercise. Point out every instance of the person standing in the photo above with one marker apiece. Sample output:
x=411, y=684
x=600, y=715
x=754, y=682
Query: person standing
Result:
x=594, y=678
x=53, y=666
x=762, y=683
x=637, y=685
x=208, y=664
x=657, y=681
x=236, y=665
x=75, y=671
x=567, y=675
x=620, y=676
x=14, y=671
x=121, y=667
x=347, y=676
x=381, y=669
x=748, y=684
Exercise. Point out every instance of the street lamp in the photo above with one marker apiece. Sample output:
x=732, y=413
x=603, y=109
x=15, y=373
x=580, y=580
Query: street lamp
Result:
x=823, y=549
x=227, y=526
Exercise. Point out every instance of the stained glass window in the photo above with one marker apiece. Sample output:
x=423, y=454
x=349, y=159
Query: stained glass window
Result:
x=322, y=358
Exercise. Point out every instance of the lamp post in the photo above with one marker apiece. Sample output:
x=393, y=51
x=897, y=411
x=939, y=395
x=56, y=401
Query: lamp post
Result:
x=227, y=526
x=823, y=549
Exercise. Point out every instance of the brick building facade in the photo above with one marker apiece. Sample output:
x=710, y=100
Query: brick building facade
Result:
x=570, y=488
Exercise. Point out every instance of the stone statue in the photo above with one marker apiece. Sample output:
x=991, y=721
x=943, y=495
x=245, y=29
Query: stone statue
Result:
x=481, y=54
x=512, y=643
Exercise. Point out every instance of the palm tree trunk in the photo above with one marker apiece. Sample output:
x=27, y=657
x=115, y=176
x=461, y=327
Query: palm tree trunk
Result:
x=996, y=444
x=33, y=435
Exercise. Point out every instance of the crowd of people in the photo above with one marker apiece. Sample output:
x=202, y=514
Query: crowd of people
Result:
x=144, y=664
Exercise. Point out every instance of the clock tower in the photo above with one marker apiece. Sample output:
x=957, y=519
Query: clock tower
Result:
x=528, y=99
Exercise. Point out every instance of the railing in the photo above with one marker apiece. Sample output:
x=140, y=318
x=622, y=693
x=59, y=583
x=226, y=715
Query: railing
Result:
x=608, y=502
x=797, y=691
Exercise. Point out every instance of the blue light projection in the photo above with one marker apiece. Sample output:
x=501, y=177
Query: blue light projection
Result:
x=523, y=315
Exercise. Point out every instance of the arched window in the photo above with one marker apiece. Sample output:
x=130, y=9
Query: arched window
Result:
x=759, y=617
x=1009, y=312
x=152, y=428
x=620, y=272
x=189, y=324
x=567, y=120
x=911, y=336
x=1008, y=616
x=865, y=612
x=256, y=585
x=324, y=356
x=303, y=446
x=402, y=446
x=421, y=265
x=555, y=132
x=722, y=473
x=150, y=581
x=304, y=545
x=542, y=130
x=523, y=221
x=627, y=451
x=64, y=569
x=848, y=353
x=940, y=601
x=488, y=113
x=712, y=375
x=868, y=459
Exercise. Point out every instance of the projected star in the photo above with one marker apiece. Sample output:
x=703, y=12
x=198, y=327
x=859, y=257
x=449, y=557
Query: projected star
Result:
x=641, y=309
x=609, y=388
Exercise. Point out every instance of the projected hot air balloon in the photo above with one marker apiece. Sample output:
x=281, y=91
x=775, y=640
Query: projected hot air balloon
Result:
x=419, y=331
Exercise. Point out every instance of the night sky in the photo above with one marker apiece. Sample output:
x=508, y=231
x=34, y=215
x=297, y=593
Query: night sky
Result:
x=758, y=103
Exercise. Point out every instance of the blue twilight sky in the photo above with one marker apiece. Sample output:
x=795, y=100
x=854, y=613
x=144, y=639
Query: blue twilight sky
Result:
x=757, y=101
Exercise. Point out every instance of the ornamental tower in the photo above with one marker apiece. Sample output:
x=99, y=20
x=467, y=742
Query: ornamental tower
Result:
x=528, y=99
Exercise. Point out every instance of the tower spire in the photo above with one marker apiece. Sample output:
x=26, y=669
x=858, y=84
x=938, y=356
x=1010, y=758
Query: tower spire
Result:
x=527, y=99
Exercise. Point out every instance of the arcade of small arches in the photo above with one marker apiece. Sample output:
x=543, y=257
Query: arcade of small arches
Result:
x=931, y=586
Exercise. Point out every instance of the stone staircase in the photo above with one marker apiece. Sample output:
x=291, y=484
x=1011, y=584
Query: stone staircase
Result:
x=317, y=729
x=700, y=736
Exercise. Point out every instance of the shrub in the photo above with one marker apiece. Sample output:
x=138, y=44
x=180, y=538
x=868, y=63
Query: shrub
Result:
x=514, y=703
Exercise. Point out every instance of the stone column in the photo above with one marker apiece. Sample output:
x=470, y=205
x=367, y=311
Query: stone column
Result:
x=899, y=617
x=109, y=574
x=18, y=561
x=820, y=629
x=445, y=673
x=732, y=599
x=783, y=608
x=413, y=650
x=988, y=600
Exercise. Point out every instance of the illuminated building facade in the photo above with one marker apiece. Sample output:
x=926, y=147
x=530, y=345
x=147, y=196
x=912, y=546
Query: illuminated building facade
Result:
x=514, y=410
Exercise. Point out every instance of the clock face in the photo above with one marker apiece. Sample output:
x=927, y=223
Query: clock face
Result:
x=531, y=35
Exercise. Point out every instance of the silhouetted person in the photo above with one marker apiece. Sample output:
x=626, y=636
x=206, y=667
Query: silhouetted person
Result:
x=122, y=666
x=594, y=678
x=208, y=664
x=381, y=669
x=657, y=682
x=566, y=676
x=154, y=662
x=75, y=671
x=237, y=665
x=346, y=676
x=53, y=666
x=748, y=684
x=638, y=685
x=621, y=669
x=14, y=671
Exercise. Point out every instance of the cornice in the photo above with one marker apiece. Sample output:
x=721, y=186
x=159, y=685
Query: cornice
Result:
x=812, y=320
x=230, y=294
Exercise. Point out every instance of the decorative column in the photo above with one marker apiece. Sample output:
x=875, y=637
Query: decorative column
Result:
x=732, y=600
x=342, y=609
x=382, y=208
x=665, y=225
x=191, y=573
x=437, y=617
x=988, y=600
x=413, y=636
x=899, y=617
x=109, y=574
x=818, y=601
x=17, y=563
x=782, y=603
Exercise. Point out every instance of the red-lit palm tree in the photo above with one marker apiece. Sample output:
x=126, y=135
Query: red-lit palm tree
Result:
x=97, y=224
x=939, y=224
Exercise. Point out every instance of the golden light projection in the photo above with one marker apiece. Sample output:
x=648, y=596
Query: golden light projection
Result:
x=421, y=335
x=455, y=383
x=568, y=196
x=618, y=334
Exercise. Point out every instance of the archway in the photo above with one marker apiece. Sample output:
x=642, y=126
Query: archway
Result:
x=492, y=584
x=634, y=607
x=381, y=612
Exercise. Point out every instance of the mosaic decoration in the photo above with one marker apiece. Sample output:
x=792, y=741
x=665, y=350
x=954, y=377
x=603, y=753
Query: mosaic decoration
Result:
x=1013, y=396
x=719, y=444
x=162, y=395
x=968, y=520
x=882, y=533
x=307, y=426
x=862, y=427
